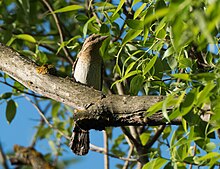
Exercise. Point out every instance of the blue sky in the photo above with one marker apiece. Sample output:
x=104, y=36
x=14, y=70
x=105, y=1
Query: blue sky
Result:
x=22, y=129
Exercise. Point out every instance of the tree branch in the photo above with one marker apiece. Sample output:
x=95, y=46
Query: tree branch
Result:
x=29, y=156
x=94, y=110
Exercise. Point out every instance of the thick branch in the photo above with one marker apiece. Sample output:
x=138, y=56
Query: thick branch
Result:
x=94, y=110
x=29, y=156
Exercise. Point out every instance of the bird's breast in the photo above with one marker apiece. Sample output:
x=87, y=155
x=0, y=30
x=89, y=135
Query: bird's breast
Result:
x=89, y=72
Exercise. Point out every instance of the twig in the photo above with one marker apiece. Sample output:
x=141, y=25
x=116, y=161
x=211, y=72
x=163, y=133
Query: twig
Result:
x=131, y=149
x=194, y=153
x=91, y=7
x=59, y=30
x=106, y=158
x=45, y=119
x=131, y=138
x=30, y=94
x=156, y=136
x=33, y=142
x=3, y=158
x=101, y=150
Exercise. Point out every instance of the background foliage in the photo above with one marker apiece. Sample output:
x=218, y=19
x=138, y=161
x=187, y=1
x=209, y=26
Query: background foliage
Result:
x=158, y=47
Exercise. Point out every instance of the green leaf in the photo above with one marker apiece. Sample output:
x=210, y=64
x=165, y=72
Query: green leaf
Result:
x=209, y=156
x=166, y=106
x=155, y=163
x=129, y=67
x=134, y=2
x=18, y=88
x=139, y=10
x=155, y=108
x=158, y=14
x=68, y=8
x=10, y=110
x=199, y=16
x=184, y=124
x=85, y=28
x=205, y=93
x=182, y=76
x=185, y=62
x=188, y=103
x=117, y=69
x=26, y=37
x=204, y=76
x=135, y=24
x=130, y=36
x=149, y=65
x=55, y=109
x=81, y=17
x=11, y=41
x=210, y=146
x=104, y=28
x=6, y=95
x=144, y=137
x=136, y=84
x=118, y=8
x=161, y=34
x=131, y=73
x=168, y=52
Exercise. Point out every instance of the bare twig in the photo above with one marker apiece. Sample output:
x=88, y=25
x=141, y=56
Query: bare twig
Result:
x=42, y=122
x=106, y=158
x=131, y=138
x=91, y=7
x=45, y=119
x=131, y=149
x=30, y=94
x=101, y=150
x=59, y=30
x=194, y=153
x=156, y=136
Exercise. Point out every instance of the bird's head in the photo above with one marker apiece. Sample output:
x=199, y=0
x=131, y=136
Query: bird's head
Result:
x=93, y=42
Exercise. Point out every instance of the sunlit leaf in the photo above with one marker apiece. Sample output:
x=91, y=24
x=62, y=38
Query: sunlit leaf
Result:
x=153, y=109
x=158, y=14
x=68, y=8
x=155, y=163
x=139, y=10
x=144, y=137
x=26, y=37
x=182, y=76
x=149, y=65
x=121, y=2
x=209, y=156
x=168, y=52
x=130, y=36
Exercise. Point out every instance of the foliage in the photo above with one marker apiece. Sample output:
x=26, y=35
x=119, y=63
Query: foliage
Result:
x=161, y=47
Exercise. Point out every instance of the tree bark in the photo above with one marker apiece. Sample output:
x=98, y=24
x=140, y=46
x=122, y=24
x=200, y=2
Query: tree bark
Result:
x=94, y=110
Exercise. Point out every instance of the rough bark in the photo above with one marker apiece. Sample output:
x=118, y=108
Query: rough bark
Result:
x=29, y=156
x=94, y=110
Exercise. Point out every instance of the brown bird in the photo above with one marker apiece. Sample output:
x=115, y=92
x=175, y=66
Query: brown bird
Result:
x=87, y=70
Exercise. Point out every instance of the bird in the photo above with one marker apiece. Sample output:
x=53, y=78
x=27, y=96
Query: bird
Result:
x=87, y=70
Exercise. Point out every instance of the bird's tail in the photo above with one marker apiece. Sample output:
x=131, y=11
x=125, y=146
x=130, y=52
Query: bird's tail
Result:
x=79, y=143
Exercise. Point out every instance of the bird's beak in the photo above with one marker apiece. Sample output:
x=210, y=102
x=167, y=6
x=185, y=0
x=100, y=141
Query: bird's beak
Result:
x=102, y=38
